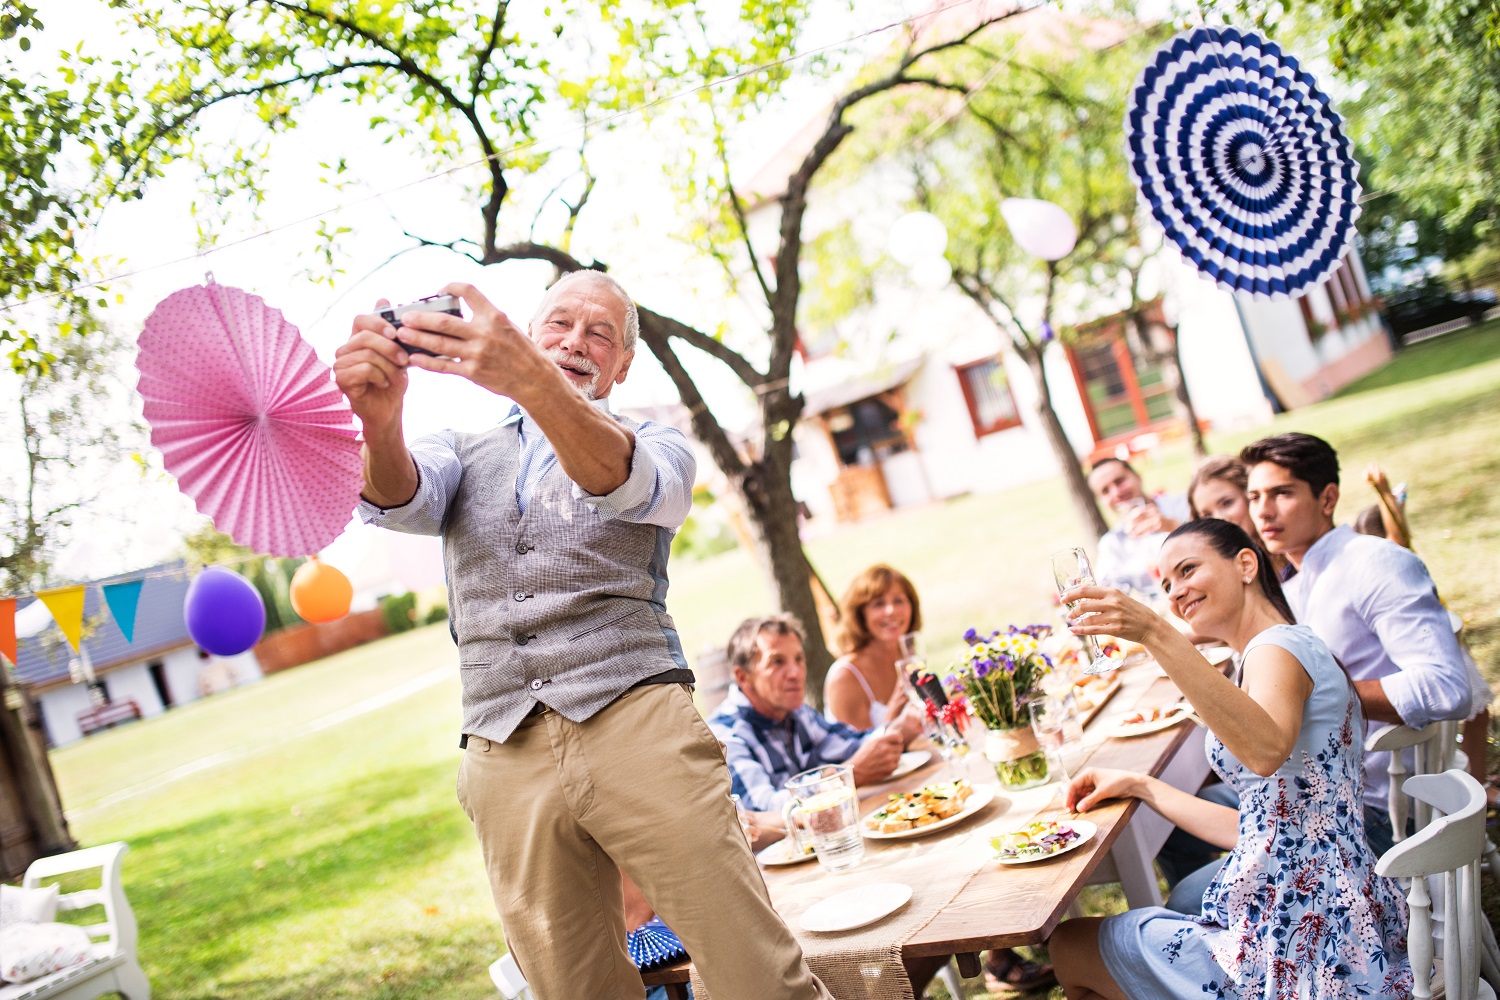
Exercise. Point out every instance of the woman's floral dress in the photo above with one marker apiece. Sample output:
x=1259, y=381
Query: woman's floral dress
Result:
x=1297, y=912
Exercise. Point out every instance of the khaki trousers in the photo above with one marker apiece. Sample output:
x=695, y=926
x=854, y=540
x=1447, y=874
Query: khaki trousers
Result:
x=642, y=785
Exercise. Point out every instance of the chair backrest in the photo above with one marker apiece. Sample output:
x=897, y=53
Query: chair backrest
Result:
x=119, y=920
x=1432, y=751
x=1450, y=846
x=506, y=975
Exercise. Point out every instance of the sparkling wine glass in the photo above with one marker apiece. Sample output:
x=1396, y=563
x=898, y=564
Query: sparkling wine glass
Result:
x=926, y=694
x=1071, y=569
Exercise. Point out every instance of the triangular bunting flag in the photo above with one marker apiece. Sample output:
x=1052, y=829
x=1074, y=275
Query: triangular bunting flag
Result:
x=122, y=599
x=8, y=629
x=66, y=605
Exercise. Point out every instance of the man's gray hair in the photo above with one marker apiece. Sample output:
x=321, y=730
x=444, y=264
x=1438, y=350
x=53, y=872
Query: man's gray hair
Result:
x=742, y=652
x=632, y=317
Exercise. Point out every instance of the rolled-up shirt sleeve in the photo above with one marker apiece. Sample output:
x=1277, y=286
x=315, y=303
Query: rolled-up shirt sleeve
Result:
x=659, y=489
x=438, y=475
x=1412, y=625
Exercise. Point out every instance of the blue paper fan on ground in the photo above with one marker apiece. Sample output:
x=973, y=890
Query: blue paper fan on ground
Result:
x=1242, y=160
x=653, y=944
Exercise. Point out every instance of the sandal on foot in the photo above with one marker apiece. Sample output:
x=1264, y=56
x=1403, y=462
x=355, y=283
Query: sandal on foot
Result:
x=1005, y=971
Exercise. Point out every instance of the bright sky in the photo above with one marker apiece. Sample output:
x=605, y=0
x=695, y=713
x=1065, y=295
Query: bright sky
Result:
x=628, y=224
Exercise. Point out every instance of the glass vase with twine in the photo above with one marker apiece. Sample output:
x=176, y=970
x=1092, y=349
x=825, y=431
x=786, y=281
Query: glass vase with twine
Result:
x=998, y=675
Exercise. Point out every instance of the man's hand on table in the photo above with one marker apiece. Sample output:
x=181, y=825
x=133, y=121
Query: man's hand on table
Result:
x=763, y=828
x=877, y=757
x=907, y=721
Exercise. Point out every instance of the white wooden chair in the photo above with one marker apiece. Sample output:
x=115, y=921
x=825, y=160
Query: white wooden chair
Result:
x=1434, y=752
x=1450, y=846
x=114, y=968
x=506, y=975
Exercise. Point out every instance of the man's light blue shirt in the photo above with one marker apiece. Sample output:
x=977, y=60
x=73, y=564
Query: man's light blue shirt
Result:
x=659, y=489
x=1127, y=562
x=1375, y=605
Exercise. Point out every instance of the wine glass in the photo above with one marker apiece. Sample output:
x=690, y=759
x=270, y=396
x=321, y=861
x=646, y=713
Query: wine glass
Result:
x=926, y=694
x=1071, y=569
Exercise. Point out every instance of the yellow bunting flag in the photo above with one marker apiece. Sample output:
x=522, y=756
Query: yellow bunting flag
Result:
x=8, y=628
x=66, y=605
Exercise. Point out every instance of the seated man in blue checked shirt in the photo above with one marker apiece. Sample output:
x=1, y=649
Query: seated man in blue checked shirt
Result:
x=770, y=732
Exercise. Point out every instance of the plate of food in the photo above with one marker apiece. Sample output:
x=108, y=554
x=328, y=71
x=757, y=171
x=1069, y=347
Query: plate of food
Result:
x=783, y=853
x=1045, y=838
x=927, y=810
x=909, y=762
x=1092, y=691
x=1152, y=720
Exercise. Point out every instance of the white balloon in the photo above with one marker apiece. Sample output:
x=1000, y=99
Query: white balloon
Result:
x=931, y=273
x=917, y=236
x=1040, y=228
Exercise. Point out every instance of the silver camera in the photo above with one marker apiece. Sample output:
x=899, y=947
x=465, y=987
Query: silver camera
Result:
x=449, y=304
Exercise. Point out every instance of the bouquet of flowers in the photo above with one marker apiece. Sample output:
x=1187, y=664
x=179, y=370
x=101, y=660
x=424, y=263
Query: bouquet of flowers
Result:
x=998, y=673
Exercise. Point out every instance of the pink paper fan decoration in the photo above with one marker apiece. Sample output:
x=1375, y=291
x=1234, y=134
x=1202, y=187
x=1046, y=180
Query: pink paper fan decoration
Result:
x=248, y=420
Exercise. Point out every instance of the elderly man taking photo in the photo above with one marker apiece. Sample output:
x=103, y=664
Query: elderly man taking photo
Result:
x=584, y=754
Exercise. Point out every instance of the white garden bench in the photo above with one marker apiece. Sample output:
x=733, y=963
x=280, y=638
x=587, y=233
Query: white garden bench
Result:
x=114, y=967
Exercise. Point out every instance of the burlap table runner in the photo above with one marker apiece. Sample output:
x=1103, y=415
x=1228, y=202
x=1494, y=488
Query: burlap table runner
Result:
x=865, y=963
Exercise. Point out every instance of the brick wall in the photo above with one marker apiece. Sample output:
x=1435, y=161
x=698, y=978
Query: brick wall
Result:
x=299, y=644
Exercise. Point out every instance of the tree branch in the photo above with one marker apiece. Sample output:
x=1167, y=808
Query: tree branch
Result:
x=705, y=426
x=739, y=211
x=731, y=358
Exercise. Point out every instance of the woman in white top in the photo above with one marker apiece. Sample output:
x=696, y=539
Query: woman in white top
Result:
x=878, y=608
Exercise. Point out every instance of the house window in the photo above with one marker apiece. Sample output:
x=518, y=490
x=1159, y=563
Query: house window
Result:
x=1124, y=388
x=987, y=391
x=866, y=432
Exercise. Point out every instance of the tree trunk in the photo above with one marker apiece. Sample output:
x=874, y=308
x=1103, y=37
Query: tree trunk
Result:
x=32, y=824
x=1185, y=407
x=767, y=488
x=1084, y=504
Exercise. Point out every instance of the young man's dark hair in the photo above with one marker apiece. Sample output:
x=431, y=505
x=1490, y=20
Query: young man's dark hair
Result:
x=1105, y=461
x=1310, y=459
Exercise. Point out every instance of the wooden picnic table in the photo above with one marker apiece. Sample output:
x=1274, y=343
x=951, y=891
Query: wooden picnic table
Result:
x=1003, y=906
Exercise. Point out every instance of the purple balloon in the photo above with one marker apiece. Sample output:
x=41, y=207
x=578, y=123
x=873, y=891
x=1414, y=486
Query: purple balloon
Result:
x=224, y=612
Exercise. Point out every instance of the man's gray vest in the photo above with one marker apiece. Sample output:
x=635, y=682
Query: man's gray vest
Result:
x=564, y=605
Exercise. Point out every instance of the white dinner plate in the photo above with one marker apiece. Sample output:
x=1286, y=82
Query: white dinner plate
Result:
x=1086, y=831
x=909, y=762
x=977, y=800
x=1216, y=655
x=780, y=854
x=1175, y=714
x=855, y=907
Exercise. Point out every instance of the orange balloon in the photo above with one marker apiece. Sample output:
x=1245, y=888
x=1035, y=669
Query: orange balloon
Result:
x=319, y=592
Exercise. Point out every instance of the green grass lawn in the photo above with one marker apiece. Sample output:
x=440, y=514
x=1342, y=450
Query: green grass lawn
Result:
x=324, y=855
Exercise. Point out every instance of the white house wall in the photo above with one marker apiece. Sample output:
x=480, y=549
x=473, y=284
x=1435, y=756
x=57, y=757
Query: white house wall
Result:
x=60, y=708
x=133, y=683
x=1216, y=361
x=181, y=668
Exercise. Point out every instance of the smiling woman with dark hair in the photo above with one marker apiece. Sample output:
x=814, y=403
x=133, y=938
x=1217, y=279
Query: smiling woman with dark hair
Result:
x=1297, y=909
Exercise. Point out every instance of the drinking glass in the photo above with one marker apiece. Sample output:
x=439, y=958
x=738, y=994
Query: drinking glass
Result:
x=1055, y=722
x=1071, y=569
x=825, y=805
x=950, y=742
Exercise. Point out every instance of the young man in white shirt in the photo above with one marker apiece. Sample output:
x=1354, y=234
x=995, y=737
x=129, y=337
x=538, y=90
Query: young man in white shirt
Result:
x=1370, y=600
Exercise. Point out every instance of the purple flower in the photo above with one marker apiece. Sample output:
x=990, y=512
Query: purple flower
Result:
x=1048, y=334
x=971, y=636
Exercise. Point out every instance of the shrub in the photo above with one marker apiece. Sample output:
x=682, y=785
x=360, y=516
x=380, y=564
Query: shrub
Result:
x=399, y=611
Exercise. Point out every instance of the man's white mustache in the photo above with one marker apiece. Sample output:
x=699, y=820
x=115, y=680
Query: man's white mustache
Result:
x=558, y=356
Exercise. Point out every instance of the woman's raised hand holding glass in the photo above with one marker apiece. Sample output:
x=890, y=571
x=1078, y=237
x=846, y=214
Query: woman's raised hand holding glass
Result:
x=1070, y=569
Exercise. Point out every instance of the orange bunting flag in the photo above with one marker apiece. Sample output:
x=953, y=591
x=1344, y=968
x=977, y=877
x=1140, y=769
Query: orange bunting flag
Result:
x=8, y=629
x=66, y=605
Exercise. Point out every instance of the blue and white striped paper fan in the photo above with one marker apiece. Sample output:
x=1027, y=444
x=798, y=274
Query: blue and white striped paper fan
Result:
x=1242, y=160
x=654, y=943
